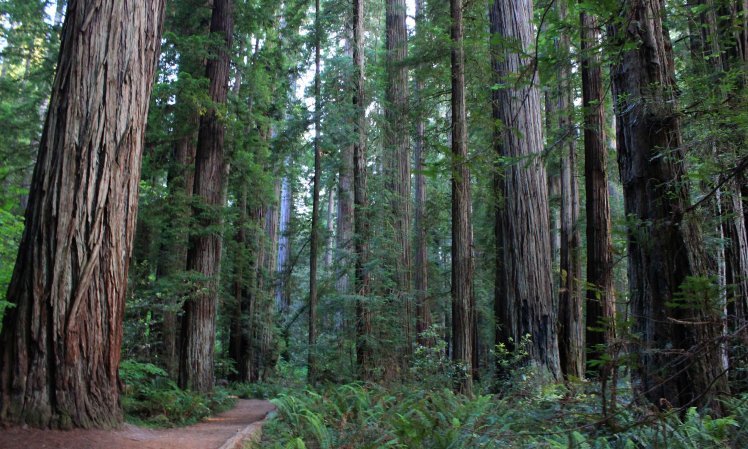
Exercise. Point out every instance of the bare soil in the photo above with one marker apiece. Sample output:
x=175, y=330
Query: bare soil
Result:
x=212, y=433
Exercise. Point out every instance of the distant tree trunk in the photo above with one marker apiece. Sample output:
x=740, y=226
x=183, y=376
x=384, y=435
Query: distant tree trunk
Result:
x=421, y=269
x=344, y=235
x=679, y=363
x=364, y=353
x=172, y=260
x=239, y=339
x=314, y=241
x=330, y=223
x=463, y=309
x=600, y=320
x=204, y=255
x=265, y=314
x=527, y=305
x=571, y=320
x=397, y=156
x=60, y=347
x=283, y=267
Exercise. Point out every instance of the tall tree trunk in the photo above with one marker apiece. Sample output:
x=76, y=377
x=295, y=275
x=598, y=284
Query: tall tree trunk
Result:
x=314, y=241
x=463, y=309
x=528, y=305
x=283, y=266
x=571, y=319
x=172, y=260
x=397, y=156
x=265, y=313
x=344, y=234
x=364, y=353
x=679, y=361
x=600, y=297
x=421, y=268
x=204, y=255
x=330, y=223
x=60, y=347
x=240, y=313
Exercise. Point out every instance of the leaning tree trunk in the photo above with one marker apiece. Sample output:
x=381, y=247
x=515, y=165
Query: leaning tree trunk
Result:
x=679, y=363
x=600, y=298
x=527, y=306
x=364, y=353
x=61, y=342
x=463, y=310
x=204, y=255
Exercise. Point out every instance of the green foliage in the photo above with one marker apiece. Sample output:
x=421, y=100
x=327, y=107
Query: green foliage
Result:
x=407, y=416
x=152, y=399
x=11, y=228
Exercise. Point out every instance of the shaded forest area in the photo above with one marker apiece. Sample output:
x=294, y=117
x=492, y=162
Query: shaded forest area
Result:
x=412, y=223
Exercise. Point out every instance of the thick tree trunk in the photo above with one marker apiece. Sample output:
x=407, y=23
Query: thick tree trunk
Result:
x=527, y=304
x=364, y=353
x=600, y=297
x=463, y=310
x=679, y=363
x=571, y=319
x=314, y=241
x=421, y=268
x=61, y=342
x=397, y=157
x=204, y=255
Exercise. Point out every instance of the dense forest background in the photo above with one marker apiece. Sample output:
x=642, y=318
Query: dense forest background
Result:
x=430, y=210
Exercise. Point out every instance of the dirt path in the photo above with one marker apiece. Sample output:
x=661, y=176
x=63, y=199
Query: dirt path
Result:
x=224, y=431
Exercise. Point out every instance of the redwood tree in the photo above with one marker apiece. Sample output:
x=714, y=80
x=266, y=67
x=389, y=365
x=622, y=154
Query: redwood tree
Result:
x=204, y=255
x=463, y=309
x=61, y=342
x=526, y=305
x=314, y=239
x=570, y=319
x=421, y=262
x=678, y=344
x=396, y=159
x=600, y=298
x=364, y=356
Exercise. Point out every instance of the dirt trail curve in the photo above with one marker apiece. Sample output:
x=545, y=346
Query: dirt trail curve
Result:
x=225, y=431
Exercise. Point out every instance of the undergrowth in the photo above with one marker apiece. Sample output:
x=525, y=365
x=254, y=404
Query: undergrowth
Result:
x=152, y=399
x=366, y=416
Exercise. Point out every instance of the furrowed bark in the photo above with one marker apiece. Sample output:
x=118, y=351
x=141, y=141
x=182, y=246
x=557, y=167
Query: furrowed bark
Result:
x=60, y=347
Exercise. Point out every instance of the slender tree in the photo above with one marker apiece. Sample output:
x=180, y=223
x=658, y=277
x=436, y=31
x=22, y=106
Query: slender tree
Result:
x=364, y=353
x=600, y=297
x=571, y=320
x=421, y=262
x=60, y=347
x=204, y=254
x=527, y=306
x=679, y=362
x=314, y=241
x=462, y=234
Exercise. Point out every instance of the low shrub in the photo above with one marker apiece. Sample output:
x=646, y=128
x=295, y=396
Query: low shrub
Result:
x=152, y=399
x=365, y=416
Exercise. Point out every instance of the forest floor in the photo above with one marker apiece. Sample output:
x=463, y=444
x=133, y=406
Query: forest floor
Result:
x=225, y=431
